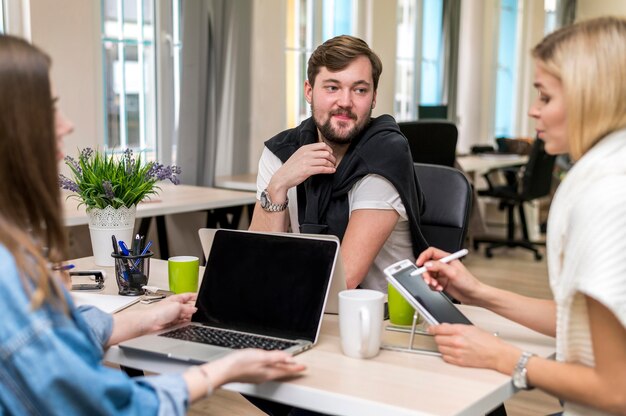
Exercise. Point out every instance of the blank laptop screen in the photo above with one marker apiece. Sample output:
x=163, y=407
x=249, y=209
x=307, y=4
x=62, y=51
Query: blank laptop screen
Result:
x=266, y=284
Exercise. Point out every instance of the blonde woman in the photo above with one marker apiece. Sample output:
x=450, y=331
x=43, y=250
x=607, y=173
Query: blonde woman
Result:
x=581, y=110
x=50, y=351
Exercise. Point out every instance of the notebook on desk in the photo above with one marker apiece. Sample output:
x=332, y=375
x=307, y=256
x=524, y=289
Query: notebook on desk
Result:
x=338, y=282
x=259, y=290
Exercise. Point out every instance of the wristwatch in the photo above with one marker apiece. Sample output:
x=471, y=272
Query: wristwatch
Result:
x=520, y=379
x=266, y=203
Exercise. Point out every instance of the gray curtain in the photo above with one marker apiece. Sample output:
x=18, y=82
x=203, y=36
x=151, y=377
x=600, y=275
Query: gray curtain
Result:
x=565, y=12
x=215, y=83
x=451, y=30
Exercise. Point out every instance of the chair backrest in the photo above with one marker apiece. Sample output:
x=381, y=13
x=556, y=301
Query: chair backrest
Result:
x=448, y=199
x=432, y=111
x=432, y=142
x=537, y=179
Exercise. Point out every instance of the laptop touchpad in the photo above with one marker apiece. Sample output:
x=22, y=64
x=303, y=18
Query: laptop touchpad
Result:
x=196, y=352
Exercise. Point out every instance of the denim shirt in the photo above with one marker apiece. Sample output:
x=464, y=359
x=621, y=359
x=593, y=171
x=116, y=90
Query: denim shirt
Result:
x=51, y=362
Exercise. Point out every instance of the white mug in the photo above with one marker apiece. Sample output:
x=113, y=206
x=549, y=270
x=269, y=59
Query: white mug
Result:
x=360, y=322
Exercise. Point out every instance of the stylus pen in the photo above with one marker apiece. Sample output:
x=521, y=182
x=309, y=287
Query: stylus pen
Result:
x=446, y=259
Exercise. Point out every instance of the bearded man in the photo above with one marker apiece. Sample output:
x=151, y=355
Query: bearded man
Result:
x=342, y=172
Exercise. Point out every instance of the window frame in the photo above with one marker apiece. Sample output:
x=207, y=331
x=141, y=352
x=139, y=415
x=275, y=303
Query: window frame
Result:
x=318, y=26
x=160, y=72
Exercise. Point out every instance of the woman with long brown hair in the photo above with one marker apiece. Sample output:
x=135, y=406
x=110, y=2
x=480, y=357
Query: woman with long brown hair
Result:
x=50, y=351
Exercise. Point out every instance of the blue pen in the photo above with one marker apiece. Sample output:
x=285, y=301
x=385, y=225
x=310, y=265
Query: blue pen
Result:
x=65, y=267
x=124, y=248
x=145, y=250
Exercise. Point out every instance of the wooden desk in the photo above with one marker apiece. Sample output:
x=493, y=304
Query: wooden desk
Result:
x=481, y=164
x=393, y=383
x=176, y=199
x=172, y=199
x=243, y=182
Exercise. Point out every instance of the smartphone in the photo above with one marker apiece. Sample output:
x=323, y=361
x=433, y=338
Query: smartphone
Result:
x=98, y=277
x=434, y=306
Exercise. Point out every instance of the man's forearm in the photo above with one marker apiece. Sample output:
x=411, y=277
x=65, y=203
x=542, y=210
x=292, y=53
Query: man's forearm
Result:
x=269, y=221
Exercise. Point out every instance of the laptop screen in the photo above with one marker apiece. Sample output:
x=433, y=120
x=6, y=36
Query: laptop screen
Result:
x=267, y=284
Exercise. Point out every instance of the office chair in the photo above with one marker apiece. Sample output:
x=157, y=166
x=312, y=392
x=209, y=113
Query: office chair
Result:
x=532, y=181
x=432, y=112
x=432, y=142
x=444, y=223
x=448, y=199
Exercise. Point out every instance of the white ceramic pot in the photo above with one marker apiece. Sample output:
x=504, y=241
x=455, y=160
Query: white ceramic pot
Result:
x=103, y=223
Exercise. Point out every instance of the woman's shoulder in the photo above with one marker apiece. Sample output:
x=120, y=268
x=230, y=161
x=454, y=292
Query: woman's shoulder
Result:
x=8, y=267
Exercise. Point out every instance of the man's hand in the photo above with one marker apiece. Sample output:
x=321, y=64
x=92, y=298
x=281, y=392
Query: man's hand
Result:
x=309, y=160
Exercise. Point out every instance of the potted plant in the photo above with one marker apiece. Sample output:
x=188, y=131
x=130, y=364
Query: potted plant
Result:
x=111, y=187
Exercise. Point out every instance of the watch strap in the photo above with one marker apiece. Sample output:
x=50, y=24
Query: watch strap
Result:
x=271, y=207
x=520, y=378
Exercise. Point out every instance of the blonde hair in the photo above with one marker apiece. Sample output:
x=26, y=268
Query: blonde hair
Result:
x=589, y=58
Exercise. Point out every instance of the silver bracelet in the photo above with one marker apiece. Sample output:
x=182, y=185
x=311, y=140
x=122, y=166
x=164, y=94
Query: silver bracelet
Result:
x=207, y=377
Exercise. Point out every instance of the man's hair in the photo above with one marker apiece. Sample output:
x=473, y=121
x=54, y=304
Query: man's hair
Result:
x=589, y=58
x=337, y=53
x=30, y=202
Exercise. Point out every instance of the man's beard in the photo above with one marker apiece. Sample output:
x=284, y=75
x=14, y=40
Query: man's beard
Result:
x=332, y=135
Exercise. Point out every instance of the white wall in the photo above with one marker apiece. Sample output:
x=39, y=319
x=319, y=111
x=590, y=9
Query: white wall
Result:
x=268, y=89
x=587, y=9
x=69, y=31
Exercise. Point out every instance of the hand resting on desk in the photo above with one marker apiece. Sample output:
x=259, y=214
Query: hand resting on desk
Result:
x=245, y=366
x=131, y=323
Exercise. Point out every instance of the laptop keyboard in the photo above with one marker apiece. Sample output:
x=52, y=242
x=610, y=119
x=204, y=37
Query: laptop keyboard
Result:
x=228, y=339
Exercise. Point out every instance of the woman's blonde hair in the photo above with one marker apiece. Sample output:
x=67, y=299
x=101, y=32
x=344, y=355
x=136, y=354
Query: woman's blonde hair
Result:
x=589, y=58
x=31, y=228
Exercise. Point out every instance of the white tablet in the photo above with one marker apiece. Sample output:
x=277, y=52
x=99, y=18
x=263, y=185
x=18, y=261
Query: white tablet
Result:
x=434, y=306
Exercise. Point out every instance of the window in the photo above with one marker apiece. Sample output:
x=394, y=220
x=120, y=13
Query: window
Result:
x=506, y=96
x=549, y=7
x=309, y=23
x=419, y=57
x=129, y=55
x=1, y=16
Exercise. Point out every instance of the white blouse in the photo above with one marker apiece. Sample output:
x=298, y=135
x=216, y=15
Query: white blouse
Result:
x=587, y=249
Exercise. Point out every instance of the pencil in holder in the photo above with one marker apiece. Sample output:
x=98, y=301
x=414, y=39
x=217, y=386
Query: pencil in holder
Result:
x=132, y=272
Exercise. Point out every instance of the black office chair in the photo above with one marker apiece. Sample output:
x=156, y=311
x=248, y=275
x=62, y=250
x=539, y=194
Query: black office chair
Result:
x=432, y=112
x=444, y=223
x=531, y=181
x=432, y=142
x=448, y=199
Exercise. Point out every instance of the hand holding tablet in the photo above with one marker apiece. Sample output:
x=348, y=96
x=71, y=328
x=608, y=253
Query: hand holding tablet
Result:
x=434, y=306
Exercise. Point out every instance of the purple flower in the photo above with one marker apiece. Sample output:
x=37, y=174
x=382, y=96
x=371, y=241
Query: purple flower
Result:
x=159, y=172
x=74, y=163
x=108, y=189
x=67, y=183
x=86, y=153
x=129, y=161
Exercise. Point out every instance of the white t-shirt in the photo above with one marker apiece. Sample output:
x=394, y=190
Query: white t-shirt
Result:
x=587, y=249
x=370, y=192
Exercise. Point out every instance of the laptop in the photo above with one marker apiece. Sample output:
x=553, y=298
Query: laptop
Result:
x=259, y=290
x=338, y=282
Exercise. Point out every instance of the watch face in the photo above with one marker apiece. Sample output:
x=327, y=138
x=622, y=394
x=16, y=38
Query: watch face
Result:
x=519, y=379
x=264, y=201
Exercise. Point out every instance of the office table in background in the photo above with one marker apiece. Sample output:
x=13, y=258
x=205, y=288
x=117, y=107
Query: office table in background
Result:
x=175, y=199
x=477, y=165
x=242, y=182
x=393, y=383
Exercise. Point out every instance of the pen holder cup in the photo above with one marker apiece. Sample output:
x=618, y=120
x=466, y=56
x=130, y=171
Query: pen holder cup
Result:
x=131, y=272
